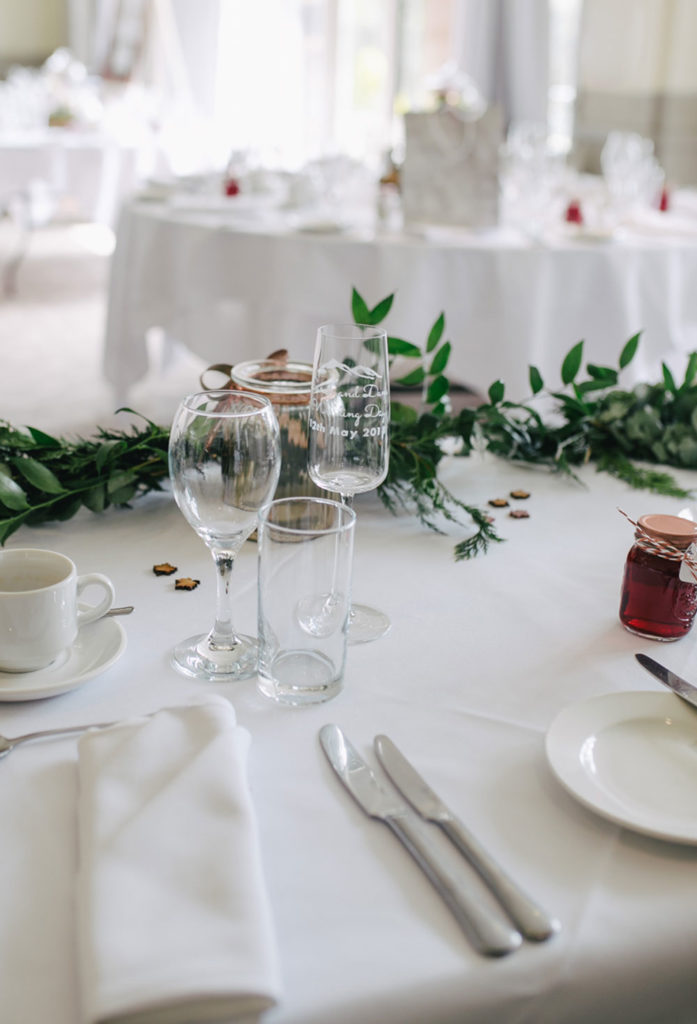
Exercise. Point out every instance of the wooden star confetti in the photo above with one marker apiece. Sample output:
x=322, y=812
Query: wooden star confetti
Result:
x=164, y=569
x=498, y=502
x=186, y=583
x=520, y=495
x=519, y=513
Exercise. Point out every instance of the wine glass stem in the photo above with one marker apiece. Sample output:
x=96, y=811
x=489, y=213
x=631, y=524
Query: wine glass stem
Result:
x=223, y=635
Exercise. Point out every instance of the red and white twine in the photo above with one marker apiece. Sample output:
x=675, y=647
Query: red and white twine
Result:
x=663, y=548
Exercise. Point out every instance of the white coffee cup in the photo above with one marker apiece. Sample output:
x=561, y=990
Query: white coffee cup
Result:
x=39, y=613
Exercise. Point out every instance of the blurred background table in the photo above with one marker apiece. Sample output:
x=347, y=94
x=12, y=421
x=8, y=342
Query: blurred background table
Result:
x=87, y=173
x=231, y=282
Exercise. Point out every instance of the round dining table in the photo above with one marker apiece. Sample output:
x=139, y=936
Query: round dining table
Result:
x=234, y=279
x=507, y=681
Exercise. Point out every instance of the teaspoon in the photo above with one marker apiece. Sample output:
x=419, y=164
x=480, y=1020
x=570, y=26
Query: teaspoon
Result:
x=8, y=743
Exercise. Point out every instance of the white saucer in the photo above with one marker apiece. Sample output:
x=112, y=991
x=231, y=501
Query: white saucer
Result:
x=631, y=757
x=98, y=646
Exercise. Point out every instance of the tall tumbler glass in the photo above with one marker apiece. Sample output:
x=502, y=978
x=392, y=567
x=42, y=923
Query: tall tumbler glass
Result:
x=305, y=556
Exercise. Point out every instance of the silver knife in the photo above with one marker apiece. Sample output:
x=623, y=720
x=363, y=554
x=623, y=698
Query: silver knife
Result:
x=686, y=690
x=489, y=933
x=530, y=918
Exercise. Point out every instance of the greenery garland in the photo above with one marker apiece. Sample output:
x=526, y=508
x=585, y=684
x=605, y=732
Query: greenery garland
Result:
x=45, y=478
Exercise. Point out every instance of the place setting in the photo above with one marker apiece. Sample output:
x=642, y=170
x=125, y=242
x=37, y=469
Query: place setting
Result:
x=632, y=757
x=183, y=768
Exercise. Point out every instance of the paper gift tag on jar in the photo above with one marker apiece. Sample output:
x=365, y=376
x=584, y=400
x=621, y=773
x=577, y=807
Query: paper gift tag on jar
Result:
x=688, y=566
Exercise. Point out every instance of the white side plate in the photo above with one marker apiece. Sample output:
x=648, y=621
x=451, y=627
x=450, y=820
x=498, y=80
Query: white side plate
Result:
x=631, y=757
x=97, y=647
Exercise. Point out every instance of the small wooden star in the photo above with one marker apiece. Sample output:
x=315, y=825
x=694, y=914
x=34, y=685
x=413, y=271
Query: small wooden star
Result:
x=164, y=569
x=498, y=502
x=186, y=583
x=519, y=513
x=520, y=494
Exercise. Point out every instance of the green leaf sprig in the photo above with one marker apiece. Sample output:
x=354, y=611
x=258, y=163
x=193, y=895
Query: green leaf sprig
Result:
x=46, y=478
x=412, y=483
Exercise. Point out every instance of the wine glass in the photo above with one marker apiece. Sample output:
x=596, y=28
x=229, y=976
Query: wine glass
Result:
x=224, y=461
x=348, y=448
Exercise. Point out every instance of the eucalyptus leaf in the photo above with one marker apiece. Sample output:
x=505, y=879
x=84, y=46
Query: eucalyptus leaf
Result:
x=629, y=351
x=118, y=482
x=379, y=312
x=440, y=359
x=572, y=363
x=122, y=495
x=401, y=413
x=66, y=508
x=359, y=309
x=436, y=333
x=106, y=451
x=11, y=494
x=496, y=392
x=95, y=498
x=668, y=379
x=690, y=370
x=602, y=373
x=45, y=440
x=38, y=475
x=399, y=347
x=417, y=376
x=438, y=387
x=9, y=526
x=536, y=382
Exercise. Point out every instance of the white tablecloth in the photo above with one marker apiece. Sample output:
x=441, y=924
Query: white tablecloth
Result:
x=232, y=289
x=87, y=173
x=481, y=657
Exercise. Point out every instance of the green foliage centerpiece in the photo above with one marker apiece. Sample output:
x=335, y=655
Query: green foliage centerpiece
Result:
x=589, y=419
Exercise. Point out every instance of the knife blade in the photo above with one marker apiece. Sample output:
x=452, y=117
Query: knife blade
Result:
x=490, y=934
x=674, y=682
x=528, y=916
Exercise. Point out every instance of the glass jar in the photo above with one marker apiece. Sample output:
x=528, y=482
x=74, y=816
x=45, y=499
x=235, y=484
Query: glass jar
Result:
x=287, y=385
x=656, y=603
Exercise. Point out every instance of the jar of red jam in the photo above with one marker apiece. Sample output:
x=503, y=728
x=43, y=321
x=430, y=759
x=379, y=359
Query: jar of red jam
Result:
x=656, y=602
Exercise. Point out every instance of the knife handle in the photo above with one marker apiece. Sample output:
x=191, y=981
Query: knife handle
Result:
x=531, y=919
x=490, y=934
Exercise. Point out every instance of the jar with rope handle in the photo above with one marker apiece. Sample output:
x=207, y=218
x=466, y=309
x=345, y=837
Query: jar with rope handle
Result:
x=659, y=588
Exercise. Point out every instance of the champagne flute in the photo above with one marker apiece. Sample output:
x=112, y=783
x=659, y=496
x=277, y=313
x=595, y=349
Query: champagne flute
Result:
x=348, y=448
x=224, y=461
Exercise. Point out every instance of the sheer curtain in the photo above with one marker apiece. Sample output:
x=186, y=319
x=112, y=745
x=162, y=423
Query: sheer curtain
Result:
x=637, y=72
x=298, y=79
x=504, y=46
x=293, y=80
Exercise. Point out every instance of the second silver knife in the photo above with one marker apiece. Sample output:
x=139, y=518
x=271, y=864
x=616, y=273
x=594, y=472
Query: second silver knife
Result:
x=530, y=918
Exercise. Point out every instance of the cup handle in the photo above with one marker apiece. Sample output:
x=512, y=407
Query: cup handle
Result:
x=86, y=615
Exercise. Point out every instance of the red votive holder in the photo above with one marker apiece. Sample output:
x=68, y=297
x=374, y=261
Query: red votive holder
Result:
x=656, y=603
x=573, y=213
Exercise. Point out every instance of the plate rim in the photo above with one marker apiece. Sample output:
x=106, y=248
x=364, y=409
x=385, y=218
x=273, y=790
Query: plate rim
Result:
x=44, y=688
x=564, y=760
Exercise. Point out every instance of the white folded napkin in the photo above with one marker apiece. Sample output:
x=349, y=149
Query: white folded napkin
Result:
x=173, y=919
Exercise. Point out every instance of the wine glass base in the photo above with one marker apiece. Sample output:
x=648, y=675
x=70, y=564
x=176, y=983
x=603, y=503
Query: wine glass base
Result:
x=196, y=657
x=366, y=624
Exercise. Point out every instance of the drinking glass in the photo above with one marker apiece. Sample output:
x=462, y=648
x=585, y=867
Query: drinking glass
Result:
x=224, y=461
x=348, y=448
